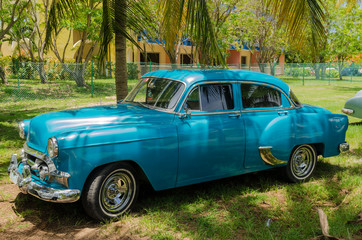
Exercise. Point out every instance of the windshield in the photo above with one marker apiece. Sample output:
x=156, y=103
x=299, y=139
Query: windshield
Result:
x=156, y=92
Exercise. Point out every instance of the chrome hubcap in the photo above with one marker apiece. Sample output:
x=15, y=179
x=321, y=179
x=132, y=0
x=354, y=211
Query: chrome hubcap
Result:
x=302, y=162
x=117, y=192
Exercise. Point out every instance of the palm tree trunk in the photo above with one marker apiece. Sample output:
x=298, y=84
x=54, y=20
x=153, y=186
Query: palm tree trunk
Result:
x=3, y=76
x=121, y=53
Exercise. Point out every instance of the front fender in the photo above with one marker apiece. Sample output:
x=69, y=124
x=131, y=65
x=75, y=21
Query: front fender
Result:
x=153, y=147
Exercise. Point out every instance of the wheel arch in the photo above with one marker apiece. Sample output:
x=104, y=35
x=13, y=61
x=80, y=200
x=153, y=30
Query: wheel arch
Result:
x=140, y=174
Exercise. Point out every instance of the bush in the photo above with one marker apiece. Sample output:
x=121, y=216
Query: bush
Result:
x=334, y=73
x=132, y=71
x=27, y=70
x=298, y=72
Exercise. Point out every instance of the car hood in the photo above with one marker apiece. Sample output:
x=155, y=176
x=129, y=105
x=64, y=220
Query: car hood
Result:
x=47, y=125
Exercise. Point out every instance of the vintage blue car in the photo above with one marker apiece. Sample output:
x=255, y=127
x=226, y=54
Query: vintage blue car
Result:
x=175, y=128
x=353, y=106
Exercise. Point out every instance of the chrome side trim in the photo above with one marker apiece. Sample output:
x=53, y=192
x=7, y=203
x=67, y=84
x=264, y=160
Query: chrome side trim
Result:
x=26, y=185
x=343, y=147
x=268, y=157
x=212, y=113
x=292, y=105
x=267, y=110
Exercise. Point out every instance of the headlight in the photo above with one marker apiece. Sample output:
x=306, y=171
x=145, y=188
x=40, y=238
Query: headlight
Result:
x=53, y=149
x=21, y=130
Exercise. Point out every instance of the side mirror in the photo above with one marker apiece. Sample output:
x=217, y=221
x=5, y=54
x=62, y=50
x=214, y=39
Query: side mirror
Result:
x=185, y=115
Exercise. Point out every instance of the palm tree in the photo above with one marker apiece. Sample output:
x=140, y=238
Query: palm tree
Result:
x=119, y=16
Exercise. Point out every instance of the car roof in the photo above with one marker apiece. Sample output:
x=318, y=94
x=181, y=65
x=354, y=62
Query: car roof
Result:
x=194, y=76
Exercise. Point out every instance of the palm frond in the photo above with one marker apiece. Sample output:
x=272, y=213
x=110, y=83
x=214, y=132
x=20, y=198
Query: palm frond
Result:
x=59, y=9
x=115, y=13
x=301, y=15
x=192, y=16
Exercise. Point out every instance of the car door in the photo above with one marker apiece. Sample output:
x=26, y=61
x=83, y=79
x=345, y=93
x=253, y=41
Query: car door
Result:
x=211, y=137
x=268, y=117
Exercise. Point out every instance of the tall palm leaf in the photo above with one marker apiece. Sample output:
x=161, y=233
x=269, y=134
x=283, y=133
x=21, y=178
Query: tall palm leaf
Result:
x=300, y=17
x=194, y=15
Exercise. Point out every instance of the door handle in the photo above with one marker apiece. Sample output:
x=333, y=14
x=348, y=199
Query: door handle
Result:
x=235, y=115
x=283, y=113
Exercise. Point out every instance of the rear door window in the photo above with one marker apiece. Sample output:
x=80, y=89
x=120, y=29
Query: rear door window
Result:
x=258, y=96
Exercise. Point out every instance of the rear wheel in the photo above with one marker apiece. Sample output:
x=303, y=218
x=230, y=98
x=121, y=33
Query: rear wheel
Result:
x=301, y=163
x=110, y=191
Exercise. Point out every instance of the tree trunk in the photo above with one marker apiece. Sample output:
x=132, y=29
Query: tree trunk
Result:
x=261, y=67
x=272, y=68
x=3, y=76
x=316, y=70
x=121, y=52
x=340, y=67
x=77, y=74
x=41, y=71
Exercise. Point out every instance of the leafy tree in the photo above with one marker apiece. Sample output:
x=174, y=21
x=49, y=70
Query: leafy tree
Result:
x=153, y=31
x=220, y=12
x=253, y=25
x=87, y=23
x=10, y=13
x=345, y=34
x=32, y=33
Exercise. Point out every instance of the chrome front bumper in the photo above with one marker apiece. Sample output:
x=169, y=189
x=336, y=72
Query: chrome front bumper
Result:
x=343, y=147
x=27, y=185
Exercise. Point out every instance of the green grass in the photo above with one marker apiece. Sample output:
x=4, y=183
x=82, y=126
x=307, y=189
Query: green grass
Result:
x=233, y=208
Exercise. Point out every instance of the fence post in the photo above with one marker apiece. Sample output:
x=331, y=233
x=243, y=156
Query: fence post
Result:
x=92, y=78
x=18, y=78
x=351, y=70
x=150, y=66
x=329, y=82
x=303, y=73
x=239, y=66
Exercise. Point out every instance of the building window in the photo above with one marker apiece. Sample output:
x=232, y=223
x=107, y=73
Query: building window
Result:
x=151, y=57
x=186, y=59
x=243, y=60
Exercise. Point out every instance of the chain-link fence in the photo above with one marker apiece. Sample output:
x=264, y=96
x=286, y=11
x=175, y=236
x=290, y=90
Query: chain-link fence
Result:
x=20, y=81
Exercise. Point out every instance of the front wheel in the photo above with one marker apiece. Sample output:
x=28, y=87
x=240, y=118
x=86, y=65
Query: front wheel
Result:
x=110, y=191
x=301, y=163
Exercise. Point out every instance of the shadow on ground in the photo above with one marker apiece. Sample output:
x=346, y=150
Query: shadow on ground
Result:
x=237, y=197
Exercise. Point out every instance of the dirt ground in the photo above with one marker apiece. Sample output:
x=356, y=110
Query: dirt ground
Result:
x=22, y=216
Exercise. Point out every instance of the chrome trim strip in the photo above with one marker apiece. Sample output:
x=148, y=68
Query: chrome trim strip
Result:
x=292, y=105
x=212, y=113
x=34, y=152
x=267, y=110
x=26, y=185
x=268, y=157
